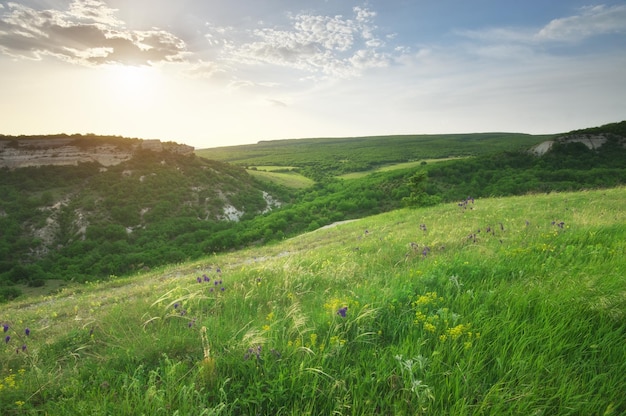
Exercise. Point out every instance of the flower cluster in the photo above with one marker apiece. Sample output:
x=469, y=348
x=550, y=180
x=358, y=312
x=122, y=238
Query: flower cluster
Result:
x=465, y=203
x=216, y=284
x=11, y=381
x=21, y=338
x=253, y=352
x=339, y=306
x=441, y=321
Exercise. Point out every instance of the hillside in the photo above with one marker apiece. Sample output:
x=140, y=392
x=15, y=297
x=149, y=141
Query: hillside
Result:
x=317, y=158
x=114, y=203
x=160, y=204
x=499, y=306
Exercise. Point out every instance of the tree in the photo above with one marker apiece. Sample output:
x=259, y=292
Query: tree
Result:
x=418, y=196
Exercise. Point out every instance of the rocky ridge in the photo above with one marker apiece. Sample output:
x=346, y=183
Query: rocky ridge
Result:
x=66, y=151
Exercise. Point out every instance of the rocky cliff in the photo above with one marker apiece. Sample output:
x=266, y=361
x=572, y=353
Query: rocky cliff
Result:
x=18, y=152
x=593, y=141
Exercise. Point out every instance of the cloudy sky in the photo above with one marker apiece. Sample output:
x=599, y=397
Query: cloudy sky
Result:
x=224, y=72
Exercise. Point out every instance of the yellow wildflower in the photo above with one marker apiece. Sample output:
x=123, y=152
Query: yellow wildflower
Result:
x=426, y=299
x=429, y=327
x=457, y=331
x=419, y=317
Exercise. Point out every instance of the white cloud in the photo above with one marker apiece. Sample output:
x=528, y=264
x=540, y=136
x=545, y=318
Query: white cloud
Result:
x=95, y=11
x=589, y=22
x=88, y=33
x=327, y=46
x=592, y=21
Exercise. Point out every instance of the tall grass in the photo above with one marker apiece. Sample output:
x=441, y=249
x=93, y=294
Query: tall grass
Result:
x=486, y=307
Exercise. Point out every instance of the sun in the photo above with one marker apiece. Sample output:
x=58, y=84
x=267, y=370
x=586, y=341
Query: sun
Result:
x=131, y=84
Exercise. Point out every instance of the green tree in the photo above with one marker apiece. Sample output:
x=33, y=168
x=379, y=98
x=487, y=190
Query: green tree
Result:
x=418, y=196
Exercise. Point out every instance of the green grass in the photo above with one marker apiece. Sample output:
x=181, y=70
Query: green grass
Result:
x=272, y=168
x=394, y=166
x=512, y=306
x=288, y=179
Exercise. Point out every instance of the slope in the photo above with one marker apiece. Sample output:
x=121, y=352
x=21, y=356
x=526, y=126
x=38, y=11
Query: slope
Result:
x=499, y=306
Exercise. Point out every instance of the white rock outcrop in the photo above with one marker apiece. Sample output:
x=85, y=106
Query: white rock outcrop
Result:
x=592, y=141
x=19, y=153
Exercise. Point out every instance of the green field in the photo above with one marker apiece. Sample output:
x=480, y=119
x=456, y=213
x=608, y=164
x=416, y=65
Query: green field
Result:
x=394, y=166
x=288, y=179
x=502, y=306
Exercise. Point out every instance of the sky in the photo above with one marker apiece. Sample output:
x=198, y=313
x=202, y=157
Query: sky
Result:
x=212, y=73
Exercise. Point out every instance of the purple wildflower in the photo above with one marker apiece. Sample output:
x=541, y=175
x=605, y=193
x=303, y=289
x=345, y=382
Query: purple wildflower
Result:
x=342, y=311
x=206, y=278
x=5, y=327
x=176, y=305
x=253, y=351
x=24, y=348
x=27, y=331
x=7, y=339
x=199, y=279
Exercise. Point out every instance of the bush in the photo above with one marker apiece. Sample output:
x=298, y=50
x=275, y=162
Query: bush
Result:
x=9, y=293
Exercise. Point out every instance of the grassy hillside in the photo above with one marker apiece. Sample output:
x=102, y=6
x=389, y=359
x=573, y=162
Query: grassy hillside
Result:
x=493, y=306
x=323, y=156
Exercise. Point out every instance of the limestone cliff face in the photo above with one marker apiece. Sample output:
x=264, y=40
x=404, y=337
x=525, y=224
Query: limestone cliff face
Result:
x=592, y=141
x=24, y=152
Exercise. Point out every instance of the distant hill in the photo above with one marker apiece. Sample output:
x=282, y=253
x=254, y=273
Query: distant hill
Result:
x=320, y=157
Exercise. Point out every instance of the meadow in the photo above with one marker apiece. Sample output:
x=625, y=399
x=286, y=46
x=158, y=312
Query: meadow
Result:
x=391, y=167
x=279, y=176
x=490, y=306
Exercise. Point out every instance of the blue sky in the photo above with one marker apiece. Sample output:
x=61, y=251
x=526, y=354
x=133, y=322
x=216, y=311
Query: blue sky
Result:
x=215, y=73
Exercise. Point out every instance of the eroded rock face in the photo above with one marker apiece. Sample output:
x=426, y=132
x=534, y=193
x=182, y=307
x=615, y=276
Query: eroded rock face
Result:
x=592, y=141
x=19, y=153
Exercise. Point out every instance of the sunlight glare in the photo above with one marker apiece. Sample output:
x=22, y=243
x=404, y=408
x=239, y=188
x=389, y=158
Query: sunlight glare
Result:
x=131, y=84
